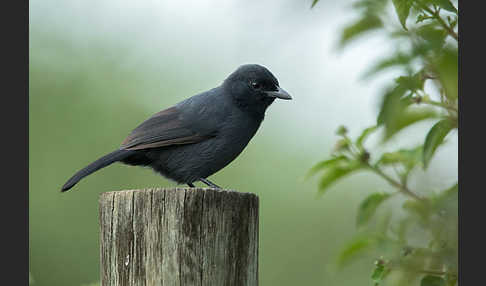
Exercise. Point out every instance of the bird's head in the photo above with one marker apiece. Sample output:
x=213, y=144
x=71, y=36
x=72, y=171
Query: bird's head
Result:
x=253, y=87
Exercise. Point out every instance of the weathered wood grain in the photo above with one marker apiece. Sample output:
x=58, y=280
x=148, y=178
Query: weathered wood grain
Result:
x=179, y=236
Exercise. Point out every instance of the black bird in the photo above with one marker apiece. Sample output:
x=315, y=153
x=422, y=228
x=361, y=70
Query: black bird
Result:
x=198, y=136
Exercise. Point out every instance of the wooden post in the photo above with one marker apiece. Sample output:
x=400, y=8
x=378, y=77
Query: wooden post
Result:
x=178, y=236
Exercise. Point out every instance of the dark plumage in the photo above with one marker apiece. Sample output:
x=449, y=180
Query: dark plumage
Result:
x=200, y=135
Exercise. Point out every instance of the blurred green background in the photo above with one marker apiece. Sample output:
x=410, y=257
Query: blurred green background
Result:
x=99, y=68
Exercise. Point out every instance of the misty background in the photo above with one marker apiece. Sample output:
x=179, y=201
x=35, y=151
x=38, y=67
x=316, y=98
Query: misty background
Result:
x=99, y=68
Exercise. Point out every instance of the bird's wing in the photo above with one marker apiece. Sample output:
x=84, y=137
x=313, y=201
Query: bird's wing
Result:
x=167, y=127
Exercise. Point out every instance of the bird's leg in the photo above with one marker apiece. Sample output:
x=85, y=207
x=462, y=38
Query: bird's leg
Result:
x=190, y=185
x=209, y=183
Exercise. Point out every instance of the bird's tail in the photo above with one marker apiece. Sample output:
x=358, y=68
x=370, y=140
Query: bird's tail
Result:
x=95, y=166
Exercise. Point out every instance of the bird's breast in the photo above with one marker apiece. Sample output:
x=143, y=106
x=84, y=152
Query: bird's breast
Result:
x=235, y=135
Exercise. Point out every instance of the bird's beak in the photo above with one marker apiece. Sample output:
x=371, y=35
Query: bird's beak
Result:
x=279, y=93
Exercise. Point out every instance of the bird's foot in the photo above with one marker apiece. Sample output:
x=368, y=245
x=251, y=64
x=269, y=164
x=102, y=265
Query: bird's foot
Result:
x=209, y=183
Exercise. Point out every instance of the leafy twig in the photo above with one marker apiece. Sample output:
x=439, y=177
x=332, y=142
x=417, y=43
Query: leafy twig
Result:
x=404, y=189
x=435, y=15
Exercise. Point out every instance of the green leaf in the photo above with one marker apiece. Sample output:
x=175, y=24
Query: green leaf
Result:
x=365, y=135
x=412, y=82
x=408, y=157
x=396, y=118
x=397, y=60
x=433, y=37
x=452, y=190
x=370, y=7
x=366, y=24
x=446, y=202
x=409, y=117
x=402, y=7
x=446, y=66
x=368, y=207
x=445, y=4
x=325, y=164
x=395, y=113
x=430, y=280
x=391, y=105
x=419, y=208
x=379, y=273
x=356, y=246
x=446, y=195
x=435, y=137
x=314, y=3
x=336, y=172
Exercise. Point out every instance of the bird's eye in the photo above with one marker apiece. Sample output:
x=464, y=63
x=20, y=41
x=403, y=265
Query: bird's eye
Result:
x=255, y=85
